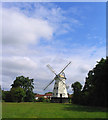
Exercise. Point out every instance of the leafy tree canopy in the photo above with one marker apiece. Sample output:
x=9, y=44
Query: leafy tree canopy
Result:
x=94, y=90
x=18, y=94
x=27, y=85
x=23, y=82
x=76, y=87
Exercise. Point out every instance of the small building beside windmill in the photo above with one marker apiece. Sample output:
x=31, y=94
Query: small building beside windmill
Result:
x=48, y=96
x=45, y=96
x=37, y=96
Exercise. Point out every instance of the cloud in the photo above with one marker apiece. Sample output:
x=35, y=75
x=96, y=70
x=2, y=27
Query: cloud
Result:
x=35, y=67
x=21, y=63
x=50, y=12
x=29, y=45
x=19, y=29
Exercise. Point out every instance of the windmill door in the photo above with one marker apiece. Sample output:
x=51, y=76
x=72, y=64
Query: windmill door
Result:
x=60, y=98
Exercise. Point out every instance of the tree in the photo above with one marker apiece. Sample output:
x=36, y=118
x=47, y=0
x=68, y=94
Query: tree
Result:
x=27, y=85
x=0, y=94
x=29, y=96
x=23, y=82
x=76, y=92
x=3, y=95
x=94, y=91
x=6, y=96
x=76, y=87
x=18, y=94
x=48, y=93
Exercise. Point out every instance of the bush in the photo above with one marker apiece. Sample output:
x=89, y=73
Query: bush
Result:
x=46, y=100
x=41, y=99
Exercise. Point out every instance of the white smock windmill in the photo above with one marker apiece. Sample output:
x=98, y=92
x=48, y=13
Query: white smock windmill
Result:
x=60, y=88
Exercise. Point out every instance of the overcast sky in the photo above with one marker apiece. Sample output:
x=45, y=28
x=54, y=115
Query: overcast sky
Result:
x=37, y=34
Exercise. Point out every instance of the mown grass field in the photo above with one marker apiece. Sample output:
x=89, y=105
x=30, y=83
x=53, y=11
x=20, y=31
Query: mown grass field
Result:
x=50, y=110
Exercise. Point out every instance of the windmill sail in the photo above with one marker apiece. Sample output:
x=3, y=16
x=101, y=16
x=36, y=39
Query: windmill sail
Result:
x=49, y=84
x=65, y=67
x=51, y=69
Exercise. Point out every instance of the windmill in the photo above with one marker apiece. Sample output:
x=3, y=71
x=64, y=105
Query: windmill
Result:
x=60, y=87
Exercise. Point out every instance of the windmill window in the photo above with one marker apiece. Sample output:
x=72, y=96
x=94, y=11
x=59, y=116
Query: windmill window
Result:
x=57, y=87
x=54, y=87
x=56, y=93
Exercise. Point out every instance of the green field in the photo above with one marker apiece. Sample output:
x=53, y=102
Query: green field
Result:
x=50, y=110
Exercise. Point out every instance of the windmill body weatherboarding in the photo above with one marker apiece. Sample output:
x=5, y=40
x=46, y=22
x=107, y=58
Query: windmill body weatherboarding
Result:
x=60, y=87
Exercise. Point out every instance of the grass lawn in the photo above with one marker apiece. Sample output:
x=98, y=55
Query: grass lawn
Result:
x=50, y=110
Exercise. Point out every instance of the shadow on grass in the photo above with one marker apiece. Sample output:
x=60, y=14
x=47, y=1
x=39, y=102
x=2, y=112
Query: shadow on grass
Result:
x=79, y=108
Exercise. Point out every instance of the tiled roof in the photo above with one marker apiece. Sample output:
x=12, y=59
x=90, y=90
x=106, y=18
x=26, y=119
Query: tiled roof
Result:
x=38, y=95
x=48, y=94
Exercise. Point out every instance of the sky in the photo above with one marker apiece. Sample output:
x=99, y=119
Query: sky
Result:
x=37, y=34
